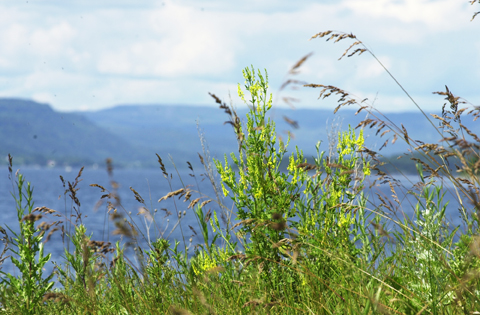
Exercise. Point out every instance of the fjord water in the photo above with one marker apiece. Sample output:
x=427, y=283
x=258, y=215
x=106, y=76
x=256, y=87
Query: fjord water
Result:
x=151, y=185
x=48, y=191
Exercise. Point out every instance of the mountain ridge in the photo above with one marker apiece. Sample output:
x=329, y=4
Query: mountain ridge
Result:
x=132, y=134
x=33, y=133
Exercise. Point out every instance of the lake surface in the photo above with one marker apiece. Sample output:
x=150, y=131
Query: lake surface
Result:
x=151, y=185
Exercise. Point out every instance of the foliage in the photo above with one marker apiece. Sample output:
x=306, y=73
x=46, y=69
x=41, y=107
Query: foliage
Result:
x=30, y=286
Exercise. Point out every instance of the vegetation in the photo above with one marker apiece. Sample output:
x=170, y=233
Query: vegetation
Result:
x=307, y=240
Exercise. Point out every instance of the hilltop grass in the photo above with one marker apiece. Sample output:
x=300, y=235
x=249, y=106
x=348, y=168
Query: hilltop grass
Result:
x=307, y=240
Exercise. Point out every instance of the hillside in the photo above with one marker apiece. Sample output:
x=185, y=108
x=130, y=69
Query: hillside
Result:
x=161, y=127
x=165, y=128
x=33, y=133
x=132, y=134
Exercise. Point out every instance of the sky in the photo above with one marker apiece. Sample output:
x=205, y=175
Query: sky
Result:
x=81, y=55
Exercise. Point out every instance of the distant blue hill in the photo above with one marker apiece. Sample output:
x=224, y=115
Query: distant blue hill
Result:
x=33, y=133
x=132, y=134
x=164, y=127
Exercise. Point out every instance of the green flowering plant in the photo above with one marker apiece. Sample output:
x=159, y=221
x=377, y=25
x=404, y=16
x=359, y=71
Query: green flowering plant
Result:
x=429, y=241
x=288, y=216
x=267, y=198
x=30, y=259
x=329, y=202
x=264, y=196
x=205, y=262
x=83, y=260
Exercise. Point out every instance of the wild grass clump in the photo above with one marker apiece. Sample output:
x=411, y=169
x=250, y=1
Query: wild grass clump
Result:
x=306, y=239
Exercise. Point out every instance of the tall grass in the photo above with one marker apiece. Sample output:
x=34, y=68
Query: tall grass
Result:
x=302, y=240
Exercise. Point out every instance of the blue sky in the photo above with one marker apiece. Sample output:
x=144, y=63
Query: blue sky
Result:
x=91, y=54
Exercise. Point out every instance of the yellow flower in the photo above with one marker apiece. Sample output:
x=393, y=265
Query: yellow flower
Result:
x=240, y=93
x=345, y=221
x=204, y=262
x=360, y=140
x=366, y=168
x=225, y=191
x=270, y=101
x=214, y=222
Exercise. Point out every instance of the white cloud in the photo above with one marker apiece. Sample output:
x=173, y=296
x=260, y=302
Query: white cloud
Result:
x=47, y=98
x=129, y=51
x=51, y=40
x=168, y=42
x=438, y=15
x=371, y=68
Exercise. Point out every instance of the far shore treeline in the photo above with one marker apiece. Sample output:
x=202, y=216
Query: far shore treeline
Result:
x=132, y=134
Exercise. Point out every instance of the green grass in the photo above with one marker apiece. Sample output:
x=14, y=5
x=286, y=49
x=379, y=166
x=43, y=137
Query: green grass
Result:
x=305, y=240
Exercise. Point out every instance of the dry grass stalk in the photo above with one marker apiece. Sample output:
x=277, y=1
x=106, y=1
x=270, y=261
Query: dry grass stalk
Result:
x=193, y=230
x=253, y=303
x=201, y=159
x=194, y=202
x=32, y=217
x=454, y=101
x=291, y=122
x=5, y=242
x=180, y=192
x=137, y=196
x=334, y=165
x=44, y=227
x=101, y=247
x=44, y=210
x=241, y=257
x=211, y=174
x=476, y=13
x=56, y=297
x=178, y=311
x=10, y=163
x=306, y=166
x=99, y=186
x=203, y=300
x=278, y=226
x=123, y=229
x=205, y=203
x=162, y=166
x=208, y=215
x=290, y=100
x=283, y=242
x=298, y=64
x=244, y=222
x=384, y=203
x=292, y=82
x=234, y=119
